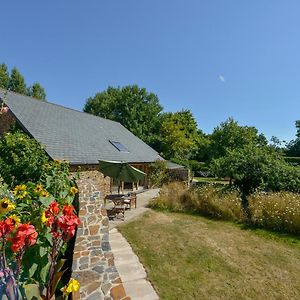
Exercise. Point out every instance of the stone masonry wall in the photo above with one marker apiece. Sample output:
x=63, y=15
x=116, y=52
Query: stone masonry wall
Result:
x=93, y=262
x=91, y=172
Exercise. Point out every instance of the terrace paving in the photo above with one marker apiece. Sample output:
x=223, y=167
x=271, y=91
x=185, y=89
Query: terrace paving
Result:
x=131, y=271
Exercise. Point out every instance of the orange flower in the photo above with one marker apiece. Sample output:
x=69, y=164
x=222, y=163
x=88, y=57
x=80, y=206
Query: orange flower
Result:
x=25, y=237
x=6, y=227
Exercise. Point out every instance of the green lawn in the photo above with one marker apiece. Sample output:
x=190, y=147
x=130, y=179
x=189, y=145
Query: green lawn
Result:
x=191, y=257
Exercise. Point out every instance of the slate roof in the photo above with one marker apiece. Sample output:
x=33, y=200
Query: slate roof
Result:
x=76, y=136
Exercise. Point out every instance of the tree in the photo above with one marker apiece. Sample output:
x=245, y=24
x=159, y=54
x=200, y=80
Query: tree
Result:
x=297, y=123
x=17, y=82
x=293, y=147
x=255, y=167
x=4, y=76
x=179, y=135
x=36, y=91
x=133, y=107
x=230, y=135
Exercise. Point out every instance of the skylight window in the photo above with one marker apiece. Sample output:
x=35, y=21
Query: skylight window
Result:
x=119, y=146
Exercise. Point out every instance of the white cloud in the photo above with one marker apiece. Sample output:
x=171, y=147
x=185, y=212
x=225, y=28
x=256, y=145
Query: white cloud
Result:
x=221, y=77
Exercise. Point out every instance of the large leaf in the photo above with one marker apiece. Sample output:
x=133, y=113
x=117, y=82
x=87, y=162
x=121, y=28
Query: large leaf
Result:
x=43, y=251
x=44, y=272
x=46, y=200
x=32, y=292
x=32, y=269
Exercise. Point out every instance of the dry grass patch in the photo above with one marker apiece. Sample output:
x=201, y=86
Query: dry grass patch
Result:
x=192, y=257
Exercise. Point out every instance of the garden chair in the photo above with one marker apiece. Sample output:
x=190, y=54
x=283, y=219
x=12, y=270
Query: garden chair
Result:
x=130, y=201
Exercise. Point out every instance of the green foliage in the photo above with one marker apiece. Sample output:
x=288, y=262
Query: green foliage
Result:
x=133, y=107
x=4, y=76
x=17, y=82
x=31, y=200
x=21, y=158
x=36, y=91
x=231, y=136
x=293, y=147
x=157, y=173
x=295, y=161
x=179, y=135
x=257, y=167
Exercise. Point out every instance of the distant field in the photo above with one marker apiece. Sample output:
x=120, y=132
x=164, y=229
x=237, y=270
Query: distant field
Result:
x=211, y=180
x=191, y=257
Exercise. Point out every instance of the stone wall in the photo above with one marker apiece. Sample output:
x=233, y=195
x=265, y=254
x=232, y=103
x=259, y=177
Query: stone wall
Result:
x=7, y=120
x=93, y=262
x=91, y=172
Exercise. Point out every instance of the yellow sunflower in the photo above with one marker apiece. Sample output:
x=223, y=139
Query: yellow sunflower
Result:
x=6, y=205
x=16, y=219
x=44, y=194
x=20, y=191
x=38, y=189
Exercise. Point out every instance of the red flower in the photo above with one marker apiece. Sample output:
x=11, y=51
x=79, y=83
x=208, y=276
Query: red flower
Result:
x=68, y=210
x=68, y=224
x=25, y=237
x=6, y=226
x=54, y=208
x=51, y=212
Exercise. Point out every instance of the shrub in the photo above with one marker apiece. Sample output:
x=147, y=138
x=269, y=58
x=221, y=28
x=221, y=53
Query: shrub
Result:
x=276, y=211
x=206, y=200
x=295, y=161
x=216, y=202
x=21, y=158
x=253, y=168
x=158, y=173
x=169, y=197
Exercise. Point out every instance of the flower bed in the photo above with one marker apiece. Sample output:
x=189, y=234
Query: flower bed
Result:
x=37, y=220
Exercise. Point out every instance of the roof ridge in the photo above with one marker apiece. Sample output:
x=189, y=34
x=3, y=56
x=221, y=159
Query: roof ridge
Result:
x=55, y=104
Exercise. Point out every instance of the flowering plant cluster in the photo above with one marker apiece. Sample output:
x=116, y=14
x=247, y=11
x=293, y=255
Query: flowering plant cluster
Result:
x=37, y=220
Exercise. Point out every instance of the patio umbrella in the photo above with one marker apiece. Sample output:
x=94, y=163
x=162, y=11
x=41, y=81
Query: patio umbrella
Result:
x=120, y=171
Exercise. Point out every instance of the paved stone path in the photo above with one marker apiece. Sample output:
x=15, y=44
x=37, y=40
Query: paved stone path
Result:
x=131, y=271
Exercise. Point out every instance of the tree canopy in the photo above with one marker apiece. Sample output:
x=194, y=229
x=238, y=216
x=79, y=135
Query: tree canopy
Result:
x=134, y=107
x=36, y=91
x=293, y=148
x=4, y=76
x=179, y=135
x=15, y=82
x=230, y=135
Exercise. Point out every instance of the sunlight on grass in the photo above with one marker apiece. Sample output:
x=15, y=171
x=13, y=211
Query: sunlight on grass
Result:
x=191, y=257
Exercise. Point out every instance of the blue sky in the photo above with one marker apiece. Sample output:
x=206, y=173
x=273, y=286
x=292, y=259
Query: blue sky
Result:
x=221, y=59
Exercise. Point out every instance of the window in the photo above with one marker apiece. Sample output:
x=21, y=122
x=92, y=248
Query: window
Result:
x=119, y=146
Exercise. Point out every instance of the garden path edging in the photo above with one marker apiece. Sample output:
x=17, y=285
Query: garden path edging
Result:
x=131, y=271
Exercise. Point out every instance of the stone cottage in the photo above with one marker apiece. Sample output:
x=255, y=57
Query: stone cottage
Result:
x=82, y=139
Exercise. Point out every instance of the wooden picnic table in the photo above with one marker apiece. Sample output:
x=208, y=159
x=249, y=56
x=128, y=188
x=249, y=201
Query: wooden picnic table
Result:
x=120, y=202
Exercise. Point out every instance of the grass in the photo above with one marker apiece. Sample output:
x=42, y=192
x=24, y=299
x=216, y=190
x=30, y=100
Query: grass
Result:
x=211, y=180
x=192, y=257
